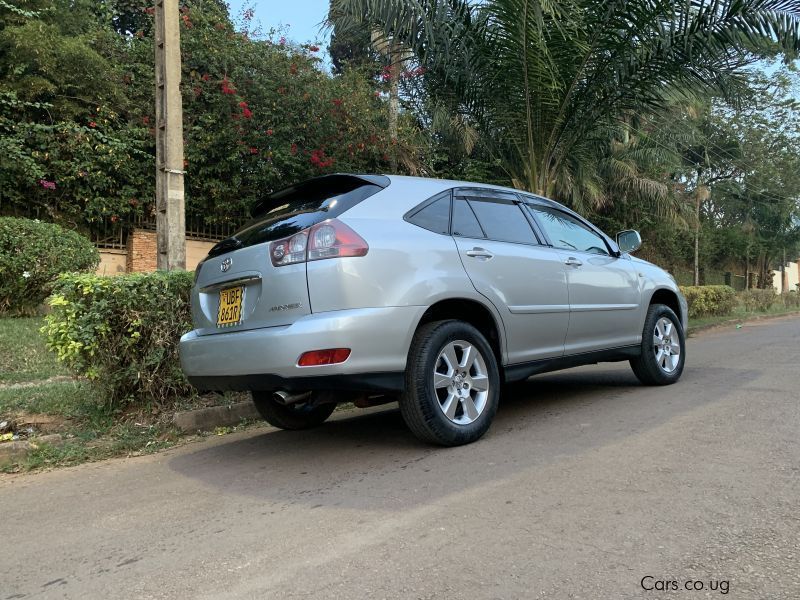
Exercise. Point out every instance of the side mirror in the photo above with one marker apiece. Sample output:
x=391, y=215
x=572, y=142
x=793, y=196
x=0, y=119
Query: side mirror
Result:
x=629, y=241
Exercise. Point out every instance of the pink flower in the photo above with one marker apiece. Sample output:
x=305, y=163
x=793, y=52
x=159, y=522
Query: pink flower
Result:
x=92, y=124
x=313, y=48
x=282, y=41
x=270, y=132
x=48, y=185
x=247, y=113
x=253, y=150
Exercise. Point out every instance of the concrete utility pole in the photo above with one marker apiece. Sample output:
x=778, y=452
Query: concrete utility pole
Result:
x=394, y=51
x=170, y=217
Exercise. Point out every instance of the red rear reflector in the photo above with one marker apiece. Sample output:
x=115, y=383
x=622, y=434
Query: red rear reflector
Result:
x=330, y=356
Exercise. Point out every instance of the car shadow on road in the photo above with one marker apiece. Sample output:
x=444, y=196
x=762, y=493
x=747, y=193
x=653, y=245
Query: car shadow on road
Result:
x=371, y=461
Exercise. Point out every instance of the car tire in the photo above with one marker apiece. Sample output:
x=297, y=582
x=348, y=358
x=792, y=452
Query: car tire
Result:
x=452, y=384
x=303, y=415
x=663, y=348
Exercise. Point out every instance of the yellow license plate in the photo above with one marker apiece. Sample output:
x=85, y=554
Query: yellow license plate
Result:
x=230, y=306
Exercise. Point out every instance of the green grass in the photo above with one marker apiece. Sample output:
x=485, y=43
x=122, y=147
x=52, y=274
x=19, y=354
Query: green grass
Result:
x=739, y=314
x=23, y=354
x=66, y=399
x=90, y=430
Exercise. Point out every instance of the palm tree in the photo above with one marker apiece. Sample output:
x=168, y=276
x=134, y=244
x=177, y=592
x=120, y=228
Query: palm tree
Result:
x=547, y=83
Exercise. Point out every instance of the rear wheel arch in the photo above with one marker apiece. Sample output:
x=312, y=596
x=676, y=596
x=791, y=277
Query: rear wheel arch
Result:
x=473, y=312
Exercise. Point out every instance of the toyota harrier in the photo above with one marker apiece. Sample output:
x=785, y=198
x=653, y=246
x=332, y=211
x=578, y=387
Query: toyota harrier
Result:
x=371, y=288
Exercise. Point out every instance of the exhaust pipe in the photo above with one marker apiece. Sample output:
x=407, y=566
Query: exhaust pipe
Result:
x=285, y=398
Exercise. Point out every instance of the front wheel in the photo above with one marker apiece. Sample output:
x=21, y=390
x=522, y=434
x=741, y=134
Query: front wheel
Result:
x=452, y=384
x=663, y=348
x=303, y=415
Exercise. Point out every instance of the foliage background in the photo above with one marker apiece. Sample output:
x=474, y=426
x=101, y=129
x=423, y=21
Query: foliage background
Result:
x=77, y=123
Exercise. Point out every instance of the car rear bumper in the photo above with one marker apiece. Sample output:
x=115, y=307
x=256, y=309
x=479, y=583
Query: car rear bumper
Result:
x=266, y=359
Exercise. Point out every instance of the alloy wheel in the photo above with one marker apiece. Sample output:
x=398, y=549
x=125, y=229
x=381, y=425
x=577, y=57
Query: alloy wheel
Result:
x=461, y=382
x=666, y=345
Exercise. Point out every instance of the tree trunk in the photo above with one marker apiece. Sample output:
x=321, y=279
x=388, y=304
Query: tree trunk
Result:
x=747, y=271
x=394, y=102
x=783, y=272
x=701, y=193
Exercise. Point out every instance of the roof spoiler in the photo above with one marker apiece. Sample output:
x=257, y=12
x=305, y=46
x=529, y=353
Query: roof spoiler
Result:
x=346, y=181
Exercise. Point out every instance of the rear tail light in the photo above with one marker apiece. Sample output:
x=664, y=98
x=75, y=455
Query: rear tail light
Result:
x=316, y=358
x=329, y=239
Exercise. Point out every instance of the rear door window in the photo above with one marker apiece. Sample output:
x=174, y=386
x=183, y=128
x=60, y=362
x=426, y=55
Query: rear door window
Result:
x=503, y=220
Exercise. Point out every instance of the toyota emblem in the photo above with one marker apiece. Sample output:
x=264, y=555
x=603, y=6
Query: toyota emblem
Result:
x=226, y=265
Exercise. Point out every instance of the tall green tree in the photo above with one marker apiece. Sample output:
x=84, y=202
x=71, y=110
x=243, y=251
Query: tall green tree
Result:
x=544, y=82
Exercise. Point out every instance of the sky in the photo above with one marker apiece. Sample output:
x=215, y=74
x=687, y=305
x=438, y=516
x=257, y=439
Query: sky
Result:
x=301, y=17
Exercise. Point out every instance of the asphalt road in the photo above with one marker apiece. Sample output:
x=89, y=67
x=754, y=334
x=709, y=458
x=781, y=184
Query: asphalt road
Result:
x=586, y=484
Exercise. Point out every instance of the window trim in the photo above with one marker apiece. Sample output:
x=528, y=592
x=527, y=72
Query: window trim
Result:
x=525, y=200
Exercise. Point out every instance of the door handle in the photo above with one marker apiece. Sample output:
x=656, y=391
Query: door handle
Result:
x=479, y=253
x=573, y=262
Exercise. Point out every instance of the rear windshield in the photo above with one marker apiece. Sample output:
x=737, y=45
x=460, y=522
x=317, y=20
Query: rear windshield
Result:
x=289, y=211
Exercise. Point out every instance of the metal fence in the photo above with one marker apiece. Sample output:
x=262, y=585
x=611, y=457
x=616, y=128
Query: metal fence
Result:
x=108, y=234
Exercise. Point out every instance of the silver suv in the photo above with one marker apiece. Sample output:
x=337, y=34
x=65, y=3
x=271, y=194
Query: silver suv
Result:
x=372, y=289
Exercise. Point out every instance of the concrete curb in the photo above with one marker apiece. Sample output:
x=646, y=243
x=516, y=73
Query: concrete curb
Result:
x=207, y=419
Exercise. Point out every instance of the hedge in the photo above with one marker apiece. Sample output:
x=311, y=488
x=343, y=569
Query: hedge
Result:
x=122, y=333
x=32, y=256
x=710, y=300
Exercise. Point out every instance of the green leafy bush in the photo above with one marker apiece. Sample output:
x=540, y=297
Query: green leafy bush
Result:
x=32, y=256
x=122, y=333
x=709, y=300
x=758, y=300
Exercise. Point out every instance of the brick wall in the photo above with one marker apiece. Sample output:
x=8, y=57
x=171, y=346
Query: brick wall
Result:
x=142, y=251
